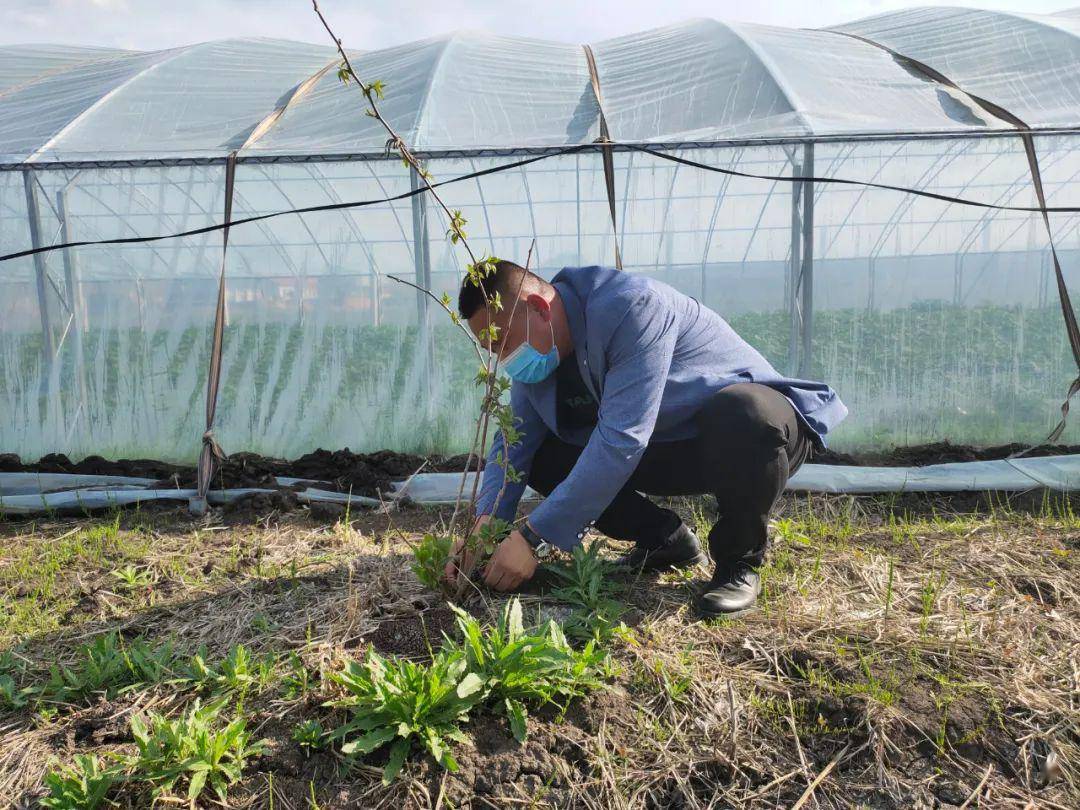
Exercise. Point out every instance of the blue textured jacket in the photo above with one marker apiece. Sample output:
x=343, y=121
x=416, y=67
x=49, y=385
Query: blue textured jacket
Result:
x=652, y=357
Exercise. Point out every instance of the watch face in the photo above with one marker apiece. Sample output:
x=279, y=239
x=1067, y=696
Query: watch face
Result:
x=543, y=550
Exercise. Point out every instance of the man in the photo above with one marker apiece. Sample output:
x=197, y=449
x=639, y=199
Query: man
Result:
x=622, y=386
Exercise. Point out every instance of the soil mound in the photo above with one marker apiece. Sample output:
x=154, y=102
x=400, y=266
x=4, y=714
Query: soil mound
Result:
x=341, y=470
x=922, y=455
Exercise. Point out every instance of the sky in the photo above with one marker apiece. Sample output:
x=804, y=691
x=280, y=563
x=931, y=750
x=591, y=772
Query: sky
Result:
x=366, y=25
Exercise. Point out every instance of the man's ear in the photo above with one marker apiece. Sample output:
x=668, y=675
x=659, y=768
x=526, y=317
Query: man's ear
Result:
x=540, y=304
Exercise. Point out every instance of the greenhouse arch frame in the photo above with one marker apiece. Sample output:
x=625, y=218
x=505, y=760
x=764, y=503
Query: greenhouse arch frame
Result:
x=933, y=320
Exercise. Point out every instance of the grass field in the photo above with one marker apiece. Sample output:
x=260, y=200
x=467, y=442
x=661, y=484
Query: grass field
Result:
x=899, y=659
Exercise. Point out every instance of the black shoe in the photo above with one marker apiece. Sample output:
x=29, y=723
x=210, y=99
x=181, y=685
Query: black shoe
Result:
x=733, y=590
x=681, y=551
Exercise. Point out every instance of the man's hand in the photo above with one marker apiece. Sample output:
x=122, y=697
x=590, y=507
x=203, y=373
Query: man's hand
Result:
x=512, y=564
x=456, y=562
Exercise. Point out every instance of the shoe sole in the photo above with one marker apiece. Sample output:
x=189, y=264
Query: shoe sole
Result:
x=700, y=559
x=722, y=614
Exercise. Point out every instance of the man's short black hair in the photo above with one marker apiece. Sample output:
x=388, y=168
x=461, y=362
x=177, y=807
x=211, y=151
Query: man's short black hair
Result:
x=507, y=280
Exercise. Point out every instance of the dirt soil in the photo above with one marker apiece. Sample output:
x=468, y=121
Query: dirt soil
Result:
x=341, y=470
x=894, y=661
x=922, y=455
x=413, y=635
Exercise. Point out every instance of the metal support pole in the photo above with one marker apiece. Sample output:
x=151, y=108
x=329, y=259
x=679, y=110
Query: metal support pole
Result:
x=422, y=262
x=806, y=275
x=958, y=279
x=791, y=280
x=871, y=283
x=577, y=188
x=33, y=213
x=74, y=295
x=71, y=269
x=376, y=296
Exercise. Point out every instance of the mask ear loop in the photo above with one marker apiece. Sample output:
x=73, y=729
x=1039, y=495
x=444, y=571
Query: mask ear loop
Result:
x=502, y=360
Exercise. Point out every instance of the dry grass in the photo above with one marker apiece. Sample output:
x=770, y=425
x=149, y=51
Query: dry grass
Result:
x=893, y=663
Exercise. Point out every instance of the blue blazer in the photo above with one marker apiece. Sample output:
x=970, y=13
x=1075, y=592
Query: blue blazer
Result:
x=652, y=357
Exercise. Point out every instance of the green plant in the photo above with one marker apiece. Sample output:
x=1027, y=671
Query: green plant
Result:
x=889, y=589
x=110, y=665
x=297, y=680
x=309, y=734
x=586, y=584
x=430, y=557
x=194, y=747
x=81, y=786
x=676, y=679
x=239, y=671
x=928, y=599
x=519, y=666
x=398, y=702
x=433, y=552
x=261, y=623
x=131, y=578
x=12, y=696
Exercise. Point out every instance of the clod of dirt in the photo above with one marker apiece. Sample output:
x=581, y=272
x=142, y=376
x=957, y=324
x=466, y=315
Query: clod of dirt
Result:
x=413, y=636
x=100, y=731
x=251, y=507
x=326, y=512
x=494, y=770
x=589, y=715
x=1041, y=591
x=340, y=470
x=951, y=792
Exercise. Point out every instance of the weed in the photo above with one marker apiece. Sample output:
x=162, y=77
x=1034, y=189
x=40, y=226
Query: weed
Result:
x=195, y=748
x=297, y=680
x=520, y=667
x=928, y=599
x=131, y=578
x=790, y=531
x=889, y=589
x=110, y=665
x=870, y=685
x=586, y=584
x=701, y=521
x=779, y=713
x=81, y=786
x=12, y=696
x=263, y=624
x=309, y=734
x=399, y=702
x=430, y=557
x=902, y=532
x=39, y=569
x=239, y=671
x=676, y=680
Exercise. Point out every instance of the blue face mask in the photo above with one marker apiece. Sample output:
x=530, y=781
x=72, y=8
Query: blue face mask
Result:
x=526, y=364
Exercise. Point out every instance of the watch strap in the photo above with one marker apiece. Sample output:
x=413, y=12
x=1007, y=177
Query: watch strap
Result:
x=530, y=535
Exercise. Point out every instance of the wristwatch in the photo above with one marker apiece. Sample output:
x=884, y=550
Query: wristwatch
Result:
x=541, y=547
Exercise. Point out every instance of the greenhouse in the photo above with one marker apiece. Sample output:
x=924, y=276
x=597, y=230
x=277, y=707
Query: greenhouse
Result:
x=672, y=151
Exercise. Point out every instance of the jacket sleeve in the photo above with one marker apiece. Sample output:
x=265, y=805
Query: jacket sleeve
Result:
x=639, y=357
x=532, y=430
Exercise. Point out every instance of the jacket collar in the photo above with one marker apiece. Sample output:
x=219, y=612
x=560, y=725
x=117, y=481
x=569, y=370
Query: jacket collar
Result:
x=574, y=307
x=575, y=313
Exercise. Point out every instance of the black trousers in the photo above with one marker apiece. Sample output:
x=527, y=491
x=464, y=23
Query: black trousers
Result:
x=749, y=442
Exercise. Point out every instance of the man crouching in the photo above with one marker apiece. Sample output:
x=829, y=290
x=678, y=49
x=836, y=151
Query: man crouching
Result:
x=625, y=387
